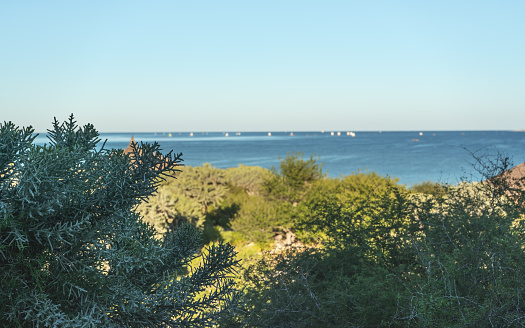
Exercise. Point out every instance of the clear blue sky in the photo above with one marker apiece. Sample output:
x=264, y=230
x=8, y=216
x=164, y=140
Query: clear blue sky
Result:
x=264, y=65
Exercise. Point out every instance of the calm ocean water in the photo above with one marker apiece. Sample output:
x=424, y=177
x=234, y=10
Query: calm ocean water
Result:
x=410, y=156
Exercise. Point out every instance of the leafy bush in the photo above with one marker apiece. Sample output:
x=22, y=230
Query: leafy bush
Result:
x=366, y=211
x=186, y=199
x=73, y=251
x=469, y=261
x=248, y=178
x=429, y=188
x=204, y=184
x=257, y=219
x=344, y=282
x=168, y=209
x=393, y=259
x=294, y=177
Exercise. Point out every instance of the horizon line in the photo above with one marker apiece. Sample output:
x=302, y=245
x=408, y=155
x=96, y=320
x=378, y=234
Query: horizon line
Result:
x=308, y=131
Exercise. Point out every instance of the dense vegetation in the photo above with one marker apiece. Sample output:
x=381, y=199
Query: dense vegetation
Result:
x=80, y=247
x=360, y=250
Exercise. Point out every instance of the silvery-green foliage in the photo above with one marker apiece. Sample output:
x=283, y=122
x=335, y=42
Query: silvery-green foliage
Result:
x=74, y=253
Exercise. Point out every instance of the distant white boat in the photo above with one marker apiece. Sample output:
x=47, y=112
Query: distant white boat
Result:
x=291, y=133
x=352, y=134
x=169, y=135
x=226, y=134
x=331, y=133
x=191, y=134
x=238, y=134
x=420, y=133
x=269, y=134
x=338, y=133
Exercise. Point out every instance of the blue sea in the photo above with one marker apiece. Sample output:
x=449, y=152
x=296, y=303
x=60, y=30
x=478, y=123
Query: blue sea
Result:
x=412, y=157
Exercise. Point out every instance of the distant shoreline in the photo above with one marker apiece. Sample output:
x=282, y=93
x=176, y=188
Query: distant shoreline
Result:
x=294, y=131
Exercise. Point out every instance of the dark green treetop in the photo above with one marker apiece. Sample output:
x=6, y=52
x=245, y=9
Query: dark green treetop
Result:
x=294, y=178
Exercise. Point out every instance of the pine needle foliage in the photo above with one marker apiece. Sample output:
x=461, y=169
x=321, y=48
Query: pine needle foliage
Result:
x=75, y=253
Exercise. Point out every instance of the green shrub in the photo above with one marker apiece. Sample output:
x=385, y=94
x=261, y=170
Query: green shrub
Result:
x=366, y=211
x=429, y=188
x=204, y=184
x=469, y=261
x=395, y=259
x=257, y=220
x=294, y=178
x=345, y=282
x=248, y=178
x=186, y=199
x=168, y=209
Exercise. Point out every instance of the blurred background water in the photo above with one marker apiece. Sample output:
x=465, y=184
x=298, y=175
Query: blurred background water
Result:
x=412, y=156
